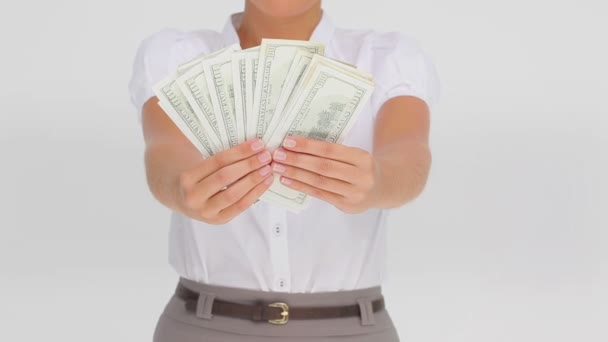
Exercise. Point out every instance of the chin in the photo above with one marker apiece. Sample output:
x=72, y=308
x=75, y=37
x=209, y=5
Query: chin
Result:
x=284, y=8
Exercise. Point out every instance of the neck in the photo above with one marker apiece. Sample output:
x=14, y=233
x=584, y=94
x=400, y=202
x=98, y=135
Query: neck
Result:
x=256, y=25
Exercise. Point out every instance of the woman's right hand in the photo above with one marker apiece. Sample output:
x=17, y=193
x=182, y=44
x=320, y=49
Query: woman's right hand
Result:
x=243, y=169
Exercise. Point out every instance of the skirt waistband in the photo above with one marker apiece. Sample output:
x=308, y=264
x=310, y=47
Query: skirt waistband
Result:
x=249, y=296
x=368, y=321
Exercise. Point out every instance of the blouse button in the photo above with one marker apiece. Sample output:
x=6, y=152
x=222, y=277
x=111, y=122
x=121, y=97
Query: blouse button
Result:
x=277, y=230
x=281, y=283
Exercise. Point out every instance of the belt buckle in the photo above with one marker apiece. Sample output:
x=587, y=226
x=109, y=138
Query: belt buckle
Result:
x=285, y=313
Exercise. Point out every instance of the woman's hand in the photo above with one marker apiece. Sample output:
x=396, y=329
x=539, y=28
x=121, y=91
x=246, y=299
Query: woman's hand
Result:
x=344, y=176
x=243, y=169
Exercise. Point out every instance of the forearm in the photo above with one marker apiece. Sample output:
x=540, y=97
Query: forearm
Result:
x=164, y=164
x=403, y=168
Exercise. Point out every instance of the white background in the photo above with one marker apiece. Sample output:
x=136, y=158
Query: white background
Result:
x=507, y=243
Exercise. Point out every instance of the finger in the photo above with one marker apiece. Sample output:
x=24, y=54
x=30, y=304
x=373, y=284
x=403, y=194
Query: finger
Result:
x=327, y=196
x=322, y=148
x=230, y=174
x=210, y=165
x=312, y=178
x=240, y=188
x=247, y=200
x=327, y=167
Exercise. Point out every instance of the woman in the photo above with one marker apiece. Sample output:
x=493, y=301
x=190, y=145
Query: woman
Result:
x=251, y=271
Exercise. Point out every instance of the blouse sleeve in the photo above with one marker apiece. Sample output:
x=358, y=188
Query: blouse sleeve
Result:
x=403, y=68
x=151, y=64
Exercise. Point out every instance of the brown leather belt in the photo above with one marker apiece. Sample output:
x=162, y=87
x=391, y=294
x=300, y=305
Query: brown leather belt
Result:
x=275, y=312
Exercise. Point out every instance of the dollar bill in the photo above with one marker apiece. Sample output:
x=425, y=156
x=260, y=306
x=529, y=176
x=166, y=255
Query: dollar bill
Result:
x=179, y=110
x=251, y=78
x=301, y=61
x=242, y=67
x=194, y=86
x=275, y=59
x=280, y=88
x=190, y=127
x=326, y=107
x=218, y=73
x=287, y=100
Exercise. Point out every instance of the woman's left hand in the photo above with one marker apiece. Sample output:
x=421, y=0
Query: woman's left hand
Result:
x=344, y=176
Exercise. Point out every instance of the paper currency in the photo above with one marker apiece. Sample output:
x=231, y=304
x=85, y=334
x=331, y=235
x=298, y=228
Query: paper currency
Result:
x=243, y=63
x=180, y=111
x=301, y=60
x=325, y=108
x=276, y=57
x=218, y=73
x=280, y=88
x=194, y=86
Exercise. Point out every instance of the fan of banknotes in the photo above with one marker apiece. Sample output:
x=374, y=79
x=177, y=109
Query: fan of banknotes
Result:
x=279, y=88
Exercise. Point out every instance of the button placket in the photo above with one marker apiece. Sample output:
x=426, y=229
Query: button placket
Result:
x=279, y=253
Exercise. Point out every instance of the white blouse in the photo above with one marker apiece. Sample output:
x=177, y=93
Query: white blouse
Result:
x=267, y=247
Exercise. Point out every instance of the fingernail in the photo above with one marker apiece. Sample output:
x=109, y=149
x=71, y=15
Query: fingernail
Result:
x=289, y=142
x=279, y=155
x=265, y=170
x=285, y=181
x=264, y=157
x=278, y=168
x=268, y=180
x=257, y=145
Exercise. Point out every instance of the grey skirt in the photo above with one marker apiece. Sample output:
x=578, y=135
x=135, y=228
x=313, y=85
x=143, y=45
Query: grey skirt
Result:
x=176, y=324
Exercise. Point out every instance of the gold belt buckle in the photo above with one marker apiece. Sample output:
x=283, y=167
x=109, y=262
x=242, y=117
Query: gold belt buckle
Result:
x=285, y=313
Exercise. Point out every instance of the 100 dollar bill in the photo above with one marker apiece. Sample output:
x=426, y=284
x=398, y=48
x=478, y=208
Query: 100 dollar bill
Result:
x=243, y=63
x=174, y=103
x=276, y=57
x=194, y=86
x=326, y=108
